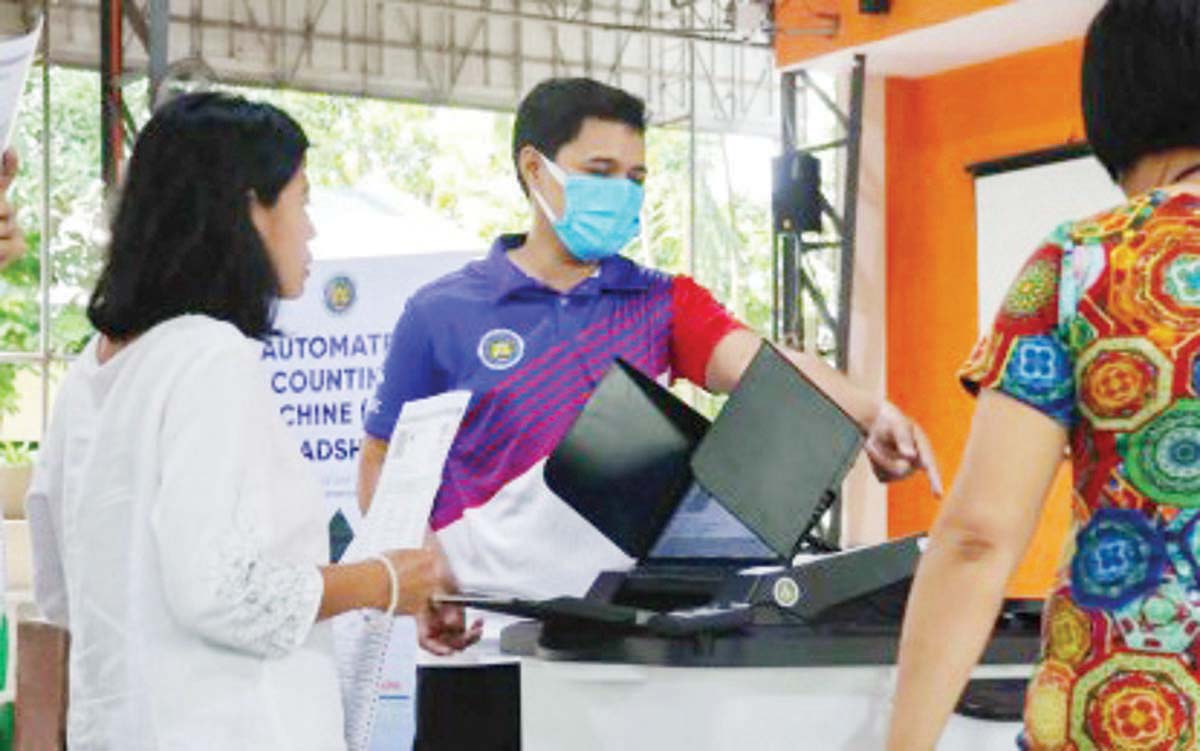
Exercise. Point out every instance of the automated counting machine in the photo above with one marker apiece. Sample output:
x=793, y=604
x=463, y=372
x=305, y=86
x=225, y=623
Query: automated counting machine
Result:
x=773, y=460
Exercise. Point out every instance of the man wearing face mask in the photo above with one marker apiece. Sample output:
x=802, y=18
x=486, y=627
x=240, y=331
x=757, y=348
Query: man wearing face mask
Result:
x=530, y=331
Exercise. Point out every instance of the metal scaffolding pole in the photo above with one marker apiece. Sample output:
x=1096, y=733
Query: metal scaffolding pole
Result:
x=787, y=325
x=794, y=285
x=112, y=142
x=472, y=53
x=693, y=146
x=45, y=268
x=850, y=211
x=160, y=27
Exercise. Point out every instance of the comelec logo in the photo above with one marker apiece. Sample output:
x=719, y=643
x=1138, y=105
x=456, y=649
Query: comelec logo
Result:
x=340, y=294
x=501, y=349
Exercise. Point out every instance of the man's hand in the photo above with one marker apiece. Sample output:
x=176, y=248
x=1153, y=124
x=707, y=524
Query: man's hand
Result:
x=12, y=239
x=442, y=629
x=898, y=447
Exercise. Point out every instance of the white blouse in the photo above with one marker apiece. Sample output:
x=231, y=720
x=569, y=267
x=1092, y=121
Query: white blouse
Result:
x=177, y=534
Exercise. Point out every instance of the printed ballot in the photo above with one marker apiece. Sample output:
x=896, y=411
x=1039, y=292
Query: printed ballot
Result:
x=398, y=519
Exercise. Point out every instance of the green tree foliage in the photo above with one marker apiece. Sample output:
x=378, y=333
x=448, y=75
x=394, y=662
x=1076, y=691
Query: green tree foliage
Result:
x=457, y=162
x=74, y=223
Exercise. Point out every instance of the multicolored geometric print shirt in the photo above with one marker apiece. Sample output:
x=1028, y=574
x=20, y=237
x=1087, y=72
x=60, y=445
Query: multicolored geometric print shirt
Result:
x=531, y=356
x=1101, y=332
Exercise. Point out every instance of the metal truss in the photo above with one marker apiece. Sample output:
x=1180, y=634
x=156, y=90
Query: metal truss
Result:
x=803, y=315
x=796, y=285
x=474, y=53
x=682, y=56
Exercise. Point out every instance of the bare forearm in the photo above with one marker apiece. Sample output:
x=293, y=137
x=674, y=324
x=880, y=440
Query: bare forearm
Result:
x=736, y=351
x=985, y=526
x=859, y=404
x=951, y=612
x=354, y=586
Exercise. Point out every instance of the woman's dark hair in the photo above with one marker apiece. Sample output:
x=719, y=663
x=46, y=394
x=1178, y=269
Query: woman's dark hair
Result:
x=182, y=239
x=1141, y=65
x=552, y=115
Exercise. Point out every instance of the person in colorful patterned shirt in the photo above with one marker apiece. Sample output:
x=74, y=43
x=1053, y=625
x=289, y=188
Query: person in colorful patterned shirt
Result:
x=531, y=330
x=1096, y=348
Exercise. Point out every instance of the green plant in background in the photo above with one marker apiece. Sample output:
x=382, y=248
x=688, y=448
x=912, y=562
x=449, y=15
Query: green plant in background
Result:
x=463, y=172
x=75, y=222
x=17, y=453
x=7, y=710
x=470, y=181
x=422, y=151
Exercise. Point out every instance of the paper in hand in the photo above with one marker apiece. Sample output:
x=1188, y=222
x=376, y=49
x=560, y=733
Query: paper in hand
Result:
x=398, y=518
x=17, y=49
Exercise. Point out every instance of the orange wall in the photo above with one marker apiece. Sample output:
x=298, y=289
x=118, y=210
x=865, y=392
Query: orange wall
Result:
x=854, y=27
x=937, y=126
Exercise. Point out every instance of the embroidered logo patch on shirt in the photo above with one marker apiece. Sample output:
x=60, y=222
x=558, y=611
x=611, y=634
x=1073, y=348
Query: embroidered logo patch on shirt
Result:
x=501, y=349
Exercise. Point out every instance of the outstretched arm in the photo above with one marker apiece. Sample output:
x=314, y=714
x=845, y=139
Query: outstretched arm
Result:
x=896, y=445
x=978, y=540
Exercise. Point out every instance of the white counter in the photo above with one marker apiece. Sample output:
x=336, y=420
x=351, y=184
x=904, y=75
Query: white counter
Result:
x=599, y=707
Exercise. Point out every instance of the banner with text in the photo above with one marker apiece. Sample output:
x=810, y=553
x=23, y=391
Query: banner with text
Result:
x=323, y=369
x=325, y=366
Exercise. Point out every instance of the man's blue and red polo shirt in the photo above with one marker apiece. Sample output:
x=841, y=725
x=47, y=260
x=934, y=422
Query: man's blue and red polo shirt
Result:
x=531, y=357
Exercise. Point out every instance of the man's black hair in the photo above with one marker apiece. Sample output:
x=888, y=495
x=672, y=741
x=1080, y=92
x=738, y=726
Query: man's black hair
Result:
x=553, y=113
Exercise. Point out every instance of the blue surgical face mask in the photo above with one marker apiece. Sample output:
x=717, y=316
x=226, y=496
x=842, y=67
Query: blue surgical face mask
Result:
x=601, y=215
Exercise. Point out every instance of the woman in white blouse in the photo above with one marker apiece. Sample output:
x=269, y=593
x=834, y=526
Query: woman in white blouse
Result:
x=178, y=534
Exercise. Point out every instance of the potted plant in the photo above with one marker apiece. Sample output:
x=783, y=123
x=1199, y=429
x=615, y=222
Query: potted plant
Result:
x=16, y=468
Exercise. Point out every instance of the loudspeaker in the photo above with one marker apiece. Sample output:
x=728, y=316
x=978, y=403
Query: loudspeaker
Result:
x=874, y=6
x=796, y=193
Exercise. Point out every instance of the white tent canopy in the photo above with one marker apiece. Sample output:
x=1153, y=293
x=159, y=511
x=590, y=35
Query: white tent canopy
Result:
x=481, y=54
x=373, y=219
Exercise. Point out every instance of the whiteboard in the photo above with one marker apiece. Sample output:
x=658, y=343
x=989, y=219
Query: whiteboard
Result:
x=1015, y=211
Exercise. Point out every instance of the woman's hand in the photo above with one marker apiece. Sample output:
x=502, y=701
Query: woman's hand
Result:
x=418, y=578
x=12, y=239
x=368, y=584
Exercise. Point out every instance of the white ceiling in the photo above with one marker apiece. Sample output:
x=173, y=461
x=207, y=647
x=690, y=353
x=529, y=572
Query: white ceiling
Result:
x=1005, y=30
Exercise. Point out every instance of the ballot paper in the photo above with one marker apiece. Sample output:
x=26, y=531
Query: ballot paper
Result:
x=398, y=518
x=18, y=45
